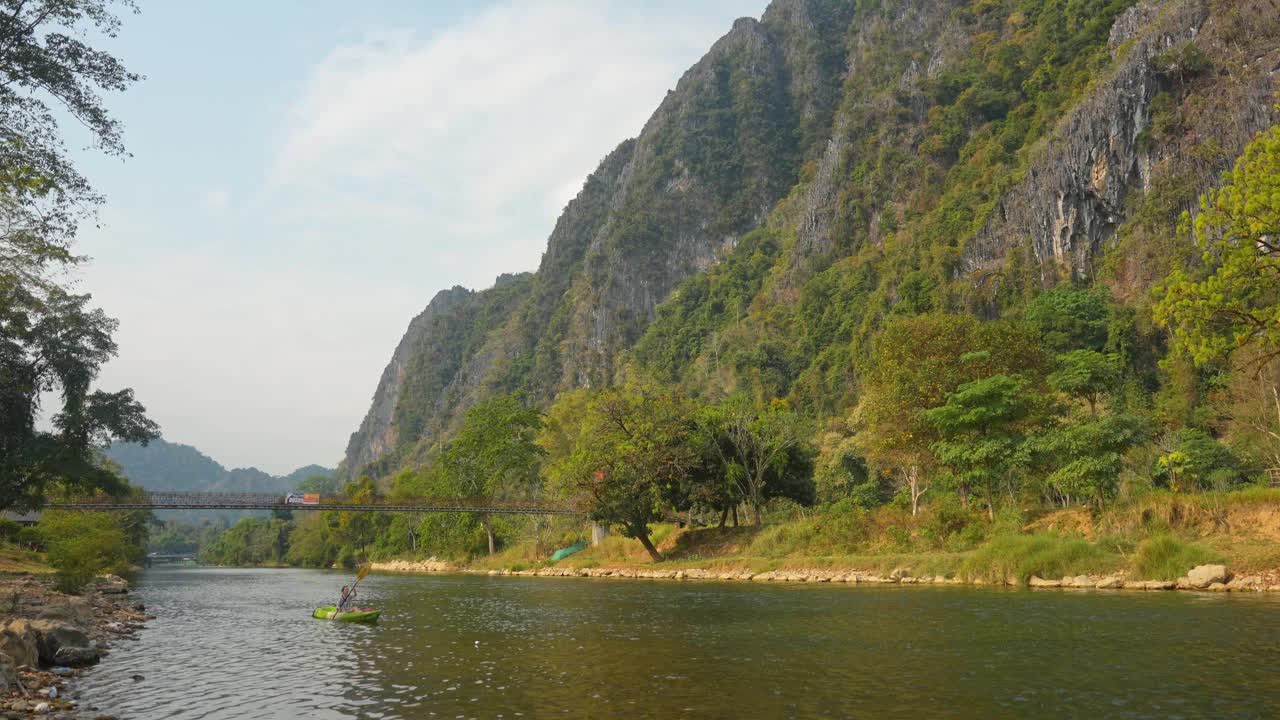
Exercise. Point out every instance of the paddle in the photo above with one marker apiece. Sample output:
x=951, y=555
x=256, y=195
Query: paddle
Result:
x=360, y=575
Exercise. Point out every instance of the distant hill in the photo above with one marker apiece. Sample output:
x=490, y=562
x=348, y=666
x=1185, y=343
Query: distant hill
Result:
x=162, y=465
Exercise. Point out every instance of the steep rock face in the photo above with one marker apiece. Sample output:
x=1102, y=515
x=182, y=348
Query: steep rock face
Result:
x=909, y=44
x=1074, y=195
x=838, y=125
x=376, y=435
x=721, y=149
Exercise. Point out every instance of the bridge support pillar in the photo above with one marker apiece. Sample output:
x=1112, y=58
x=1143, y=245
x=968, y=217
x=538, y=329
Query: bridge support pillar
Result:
x=598, y=533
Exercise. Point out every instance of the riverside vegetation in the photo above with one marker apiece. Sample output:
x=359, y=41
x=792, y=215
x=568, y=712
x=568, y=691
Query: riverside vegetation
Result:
x=983, y=289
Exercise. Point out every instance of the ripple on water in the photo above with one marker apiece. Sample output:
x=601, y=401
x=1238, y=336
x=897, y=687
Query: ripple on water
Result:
x=241, y=644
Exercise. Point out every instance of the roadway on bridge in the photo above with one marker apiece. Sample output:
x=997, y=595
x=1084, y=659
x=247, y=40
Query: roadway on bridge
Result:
x=267, y=501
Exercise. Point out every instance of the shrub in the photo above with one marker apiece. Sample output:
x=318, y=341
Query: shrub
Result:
x=1164, y=557
x=1017, y=557
x=1196, y=461
x=9, y=530
x=949, y=524
x=30, y=538
x=82, y=545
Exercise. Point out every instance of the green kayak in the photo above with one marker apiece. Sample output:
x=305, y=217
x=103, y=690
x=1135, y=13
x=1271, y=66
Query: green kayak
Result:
x=366, y=615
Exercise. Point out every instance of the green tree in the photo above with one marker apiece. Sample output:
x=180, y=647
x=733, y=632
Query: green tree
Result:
x=58, y=346
x=1086, y=455
x=50, y=72
x=495, y=455
x=1085, y=374
x=83, y=544
x=1234, y=300
x=761, y=439
x=51, y=342
x=982, y=427
x=1192, y=460
x=913, y=367
x=1070, y=318
x=623, y=456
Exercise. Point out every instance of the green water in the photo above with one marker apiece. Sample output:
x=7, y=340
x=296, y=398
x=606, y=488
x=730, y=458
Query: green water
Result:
x=241, y=644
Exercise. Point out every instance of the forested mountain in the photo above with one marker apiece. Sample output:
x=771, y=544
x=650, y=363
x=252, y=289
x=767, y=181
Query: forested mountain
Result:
x=838, y=165
x=161, y=465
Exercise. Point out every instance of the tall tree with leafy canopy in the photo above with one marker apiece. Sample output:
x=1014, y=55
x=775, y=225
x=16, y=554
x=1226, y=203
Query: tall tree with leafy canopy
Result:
x=760, y=438
x=1234, y=300
x=495, y=453
x=1085, y=455
x=58, y=345
x=51, y=341
x=913, y=367
x=1085, y=374
x=49, y=70
x=982, y=427
x=622, y=455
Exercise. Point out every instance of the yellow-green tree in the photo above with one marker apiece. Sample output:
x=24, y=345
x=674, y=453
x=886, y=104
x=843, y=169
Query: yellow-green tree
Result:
x=622, y=454
x=1233, y=300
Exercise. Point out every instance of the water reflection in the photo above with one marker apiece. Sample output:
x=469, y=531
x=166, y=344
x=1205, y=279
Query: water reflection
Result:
x=240, y=644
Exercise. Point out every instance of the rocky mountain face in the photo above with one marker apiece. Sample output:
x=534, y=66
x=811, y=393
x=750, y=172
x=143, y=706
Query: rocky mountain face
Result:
x=1075, y=194
x=839, y=161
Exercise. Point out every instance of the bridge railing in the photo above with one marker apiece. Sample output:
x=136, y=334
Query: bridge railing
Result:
x=164, y=500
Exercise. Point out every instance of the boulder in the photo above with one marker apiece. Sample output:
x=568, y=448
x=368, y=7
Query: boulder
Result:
x=1110, y=583
x=75, y=611
x=1217, y=587
x=111, y=585
x=1202, y=576
x=1079, y=581
x=18, y=642
x=1252, y=583
x=59, y=643
x=899, y=573
x=1039, y=582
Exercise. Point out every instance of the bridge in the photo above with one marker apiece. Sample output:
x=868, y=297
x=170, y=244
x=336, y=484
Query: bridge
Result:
x=170, y=557
x=267, y=501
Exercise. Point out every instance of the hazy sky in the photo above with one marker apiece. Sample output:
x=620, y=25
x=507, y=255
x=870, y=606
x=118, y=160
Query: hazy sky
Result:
x=306, y=175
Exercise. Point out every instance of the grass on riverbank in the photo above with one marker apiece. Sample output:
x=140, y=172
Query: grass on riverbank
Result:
x=1158, y=536
x=18, y=561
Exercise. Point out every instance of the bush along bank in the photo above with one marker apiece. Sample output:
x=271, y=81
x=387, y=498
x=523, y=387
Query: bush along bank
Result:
x=47, y=638
x=1161, y=541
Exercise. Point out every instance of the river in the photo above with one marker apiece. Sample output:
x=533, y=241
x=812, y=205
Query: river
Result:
x=232, y=643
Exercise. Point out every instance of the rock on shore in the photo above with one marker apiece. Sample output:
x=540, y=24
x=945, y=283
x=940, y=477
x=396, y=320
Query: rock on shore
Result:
x=1214, y=577
x=430, y=565
x=45, y=629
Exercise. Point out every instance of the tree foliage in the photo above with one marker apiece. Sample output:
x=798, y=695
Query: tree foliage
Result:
x=624, y=457
x=981, y=428
x=1235, y=300
x=51, y=341
x=495, y=455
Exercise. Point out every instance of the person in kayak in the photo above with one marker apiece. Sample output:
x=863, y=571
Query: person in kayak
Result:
x=348, y=597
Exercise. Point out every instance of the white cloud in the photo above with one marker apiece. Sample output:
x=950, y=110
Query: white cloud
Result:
x=491, y=123
x=216, y=199
x=409, y=161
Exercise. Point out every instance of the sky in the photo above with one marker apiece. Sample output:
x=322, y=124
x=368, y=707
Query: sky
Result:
x=305, y=176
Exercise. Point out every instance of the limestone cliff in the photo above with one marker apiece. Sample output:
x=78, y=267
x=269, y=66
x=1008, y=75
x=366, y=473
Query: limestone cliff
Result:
x=836, y=162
